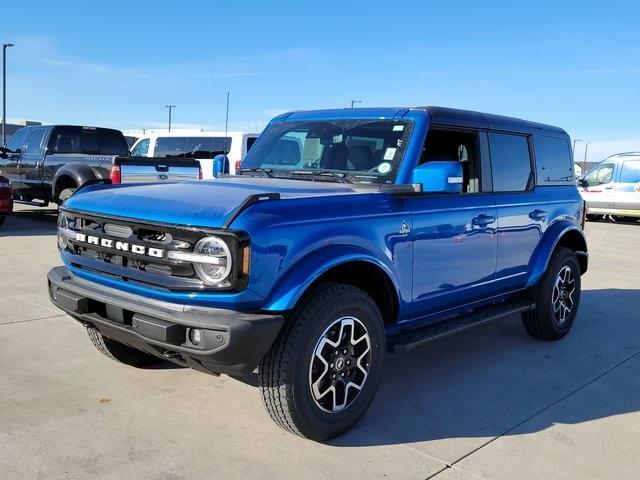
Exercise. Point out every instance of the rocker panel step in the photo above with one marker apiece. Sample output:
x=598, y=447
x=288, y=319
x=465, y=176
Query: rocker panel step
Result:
x=416, y=337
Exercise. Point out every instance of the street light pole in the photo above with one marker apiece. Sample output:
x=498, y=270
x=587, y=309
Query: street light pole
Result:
x=170, y=107
x=4, y=90
x=586, y=147
x=353, y=102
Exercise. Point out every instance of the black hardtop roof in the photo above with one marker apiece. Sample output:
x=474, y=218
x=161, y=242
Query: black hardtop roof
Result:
x=468, y=118
x=88, y=127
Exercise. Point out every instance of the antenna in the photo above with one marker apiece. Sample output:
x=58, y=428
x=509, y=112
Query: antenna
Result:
x=226, y=124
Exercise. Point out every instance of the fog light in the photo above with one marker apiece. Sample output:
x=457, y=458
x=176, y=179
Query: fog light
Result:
x=195, y=336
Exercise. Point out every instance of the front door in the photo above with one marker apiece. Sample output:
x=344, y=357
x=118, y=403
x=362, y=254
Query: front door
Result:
x=454, y=235
x=598, y=188
x=10, y=166
x=31, y=163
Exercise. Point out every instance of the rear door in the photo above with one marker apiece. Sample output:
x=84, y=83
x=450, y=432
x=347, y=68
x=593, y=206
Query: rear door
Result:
x=626, y=191
x=522, y=208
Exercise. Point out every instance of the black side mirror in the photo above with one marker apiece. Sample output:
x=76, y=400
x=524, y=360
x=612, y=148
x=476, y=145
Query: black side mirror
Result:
x=583, y=182
x=3, y=153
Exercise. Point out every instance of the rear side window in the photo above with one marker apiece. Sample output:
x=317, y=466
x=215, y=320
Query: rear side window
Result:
x=192, y=147
x=510, y=162
x=112, y=142
x=87, y=141
x=553, y=160
x=250, y=142
x=34, y=141
x=17, y=140
x=630, y=172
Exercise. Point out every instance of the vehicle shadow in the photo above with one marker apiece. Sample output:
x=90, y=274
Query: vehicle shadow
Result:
x=29, y=222
x=485, y=382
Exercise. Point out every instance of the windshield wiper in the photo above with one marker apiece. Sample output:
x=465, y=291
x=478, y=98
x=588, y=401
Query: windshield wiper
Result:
x=324, y=174
x=265, y=171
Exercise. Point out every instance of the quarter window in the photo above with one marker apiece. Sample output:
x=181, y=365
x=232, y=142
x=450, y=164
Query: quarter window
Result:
x=553, y=160
x=510, y=162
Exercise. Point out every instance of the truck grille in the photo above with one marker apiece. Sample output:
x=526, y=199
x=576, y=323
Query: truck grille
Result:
x=134, y=252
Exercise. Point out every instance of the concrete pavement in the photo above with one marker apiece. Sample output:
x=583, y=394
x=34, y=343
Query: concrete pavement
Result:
x=489, y=403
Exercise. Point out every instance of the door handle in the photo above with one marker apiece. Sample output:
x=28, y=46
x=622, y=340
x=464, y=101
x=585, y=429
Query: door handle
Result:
x=609, y=187
x=540, y=215
x=483, y=220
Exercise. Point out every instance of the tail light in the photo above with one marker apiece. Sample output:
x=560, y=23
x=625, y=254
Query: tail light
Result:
x=200, y=172
x=238, y=165
x=116, y=176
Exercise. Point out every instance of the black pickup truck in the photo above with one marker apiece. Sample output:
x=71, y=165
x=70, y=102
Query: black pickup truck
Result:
x=48, y=163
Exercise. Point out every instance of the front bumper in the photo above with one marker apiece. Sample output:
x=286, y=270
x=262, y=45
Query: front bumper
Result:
x=232, y=342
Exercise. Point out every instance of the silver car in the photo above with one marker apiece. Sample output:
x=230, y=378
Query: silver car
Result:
x=613, y=187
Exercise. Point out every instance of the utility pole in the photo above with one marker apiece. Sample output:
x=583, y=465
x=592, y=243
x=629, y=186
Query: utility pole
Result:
x=4, y=91
x=586, y=147
x=170, y=107
x=353, y=102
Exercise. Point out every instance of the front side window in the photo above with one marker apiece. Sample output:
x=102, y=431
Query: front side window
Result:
x=141, y=149
x=599, y=175
x=510, y=162
x=359, y=151
x=192, y=147
x=456, y=146
x=630, y=172
x=17, y=140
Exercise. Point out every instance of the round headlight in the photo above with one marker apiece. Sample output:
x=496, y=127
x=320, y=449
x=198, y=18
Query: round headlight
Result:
x=63, y=228
x=219, y=267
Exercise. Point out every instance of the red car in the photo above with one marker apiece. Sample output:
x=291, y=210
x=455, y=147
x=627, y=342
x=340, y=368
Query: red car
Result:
x=6, y=199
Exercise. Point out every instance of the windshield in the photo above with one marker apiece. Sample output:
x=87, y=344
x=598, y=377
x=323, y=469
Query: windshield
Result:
x=358, y=151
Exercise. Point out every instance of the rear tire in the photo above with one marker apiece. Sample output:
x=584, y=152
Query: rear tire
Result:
x=65, y=194
x=322, y=372
x=120, y=352
x=557, y=298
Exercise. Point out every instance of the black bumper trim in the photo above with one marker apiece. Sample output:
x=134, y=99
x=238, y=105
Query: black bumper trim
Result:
x=234, y=342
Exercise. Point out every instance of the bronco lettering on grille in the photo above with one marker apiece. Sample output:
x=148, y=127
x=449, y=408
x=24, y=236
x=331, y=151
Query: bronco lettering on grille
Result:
x=119, y=245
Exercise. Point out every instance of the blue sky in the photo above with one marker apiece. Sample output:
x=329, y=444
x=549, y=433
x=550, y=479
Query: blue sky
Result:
x=575, y=64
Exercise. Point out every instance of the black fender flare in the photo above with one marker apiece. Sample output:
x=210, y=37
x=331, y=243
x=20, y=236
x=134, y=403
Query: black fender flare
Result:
x=79, y=173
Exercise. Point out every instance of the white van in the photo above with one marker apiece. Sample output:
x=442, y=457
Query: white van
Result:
x=202, y=145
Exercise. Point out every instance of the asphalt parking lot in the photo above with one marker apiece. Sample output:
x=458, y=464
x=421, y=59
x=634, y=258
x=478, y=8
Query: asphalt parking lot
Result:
x=491, y=403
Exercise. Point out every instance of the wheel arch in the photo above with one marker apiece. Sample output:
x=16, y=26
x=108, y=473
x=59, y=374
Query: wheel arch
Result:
x=357, y=269
x=560, y=234
x=70, y=176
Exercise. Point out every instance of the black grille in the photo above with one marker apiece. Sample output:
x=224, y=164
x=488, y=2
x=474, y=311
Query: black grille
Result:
x=162, y=272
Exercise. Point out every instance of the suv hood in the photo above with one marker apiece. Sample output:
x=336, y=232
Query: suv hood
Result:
x=195, y=203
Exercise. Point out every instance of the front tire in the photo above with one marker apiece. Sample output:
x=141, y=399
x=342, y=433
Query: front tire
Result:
x=557, y=298
x=323, y=370
x=119, y=352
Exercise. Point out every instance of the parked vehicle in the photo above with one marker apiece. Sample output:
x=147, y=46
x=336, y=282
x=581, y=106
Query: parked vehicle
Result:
x=6, y=199
x=344, y=233
x=613, y=187
x=49, y=163
x=202, y=145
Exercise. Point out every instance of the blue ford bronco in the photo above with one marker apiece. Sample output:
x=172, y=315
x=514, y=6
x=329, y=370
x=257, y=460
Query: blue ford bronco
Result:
x=345, y=234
